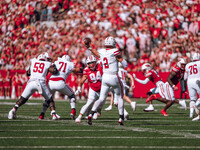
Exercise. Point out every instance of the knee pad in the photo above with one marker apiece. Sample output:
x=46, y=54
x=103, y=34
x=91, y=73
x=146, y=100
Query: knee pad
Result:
x=21, y=101
x=149, y=93
x=192, y=104
x=72, y=98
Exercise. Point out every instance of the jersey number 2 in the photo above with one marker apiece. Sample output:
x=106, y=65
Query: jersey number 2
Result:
x=105, y=62
x=193, y=69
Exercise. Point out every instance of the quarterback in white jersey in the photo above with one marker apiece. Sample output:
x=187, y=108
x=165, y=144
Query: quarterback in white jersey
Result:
x=109, y=56
x=57, y=82
x=192, y=74
x=37, y=82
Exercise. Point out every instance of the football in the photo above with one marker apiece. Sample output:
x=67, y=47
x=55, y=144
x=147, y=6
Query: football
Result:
x=87, y=41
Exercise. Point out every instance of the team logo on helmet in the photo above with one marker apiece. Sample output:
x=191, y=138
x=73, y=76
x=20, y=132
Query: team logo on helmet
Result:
x=110, y=41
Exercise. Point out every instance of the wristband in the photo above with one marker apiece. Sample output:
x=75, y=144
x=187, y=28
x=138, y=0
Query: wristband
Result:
x=173, y=86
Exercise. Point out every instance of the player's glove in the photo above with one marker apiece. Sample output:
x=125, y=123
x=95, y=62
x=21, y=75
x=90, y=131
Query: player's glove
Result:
x=78, y=91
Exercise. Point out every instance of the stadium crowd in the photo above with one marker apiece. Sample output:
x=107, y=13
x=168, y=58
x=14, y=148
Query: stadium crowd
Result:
x=145, y=31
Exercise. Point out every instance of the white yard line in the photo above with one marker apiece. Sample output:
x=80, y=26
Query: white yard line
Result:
x=99, y=147
x=138, y=129
x=13, y=103
x=96, y=130
x=93, y=137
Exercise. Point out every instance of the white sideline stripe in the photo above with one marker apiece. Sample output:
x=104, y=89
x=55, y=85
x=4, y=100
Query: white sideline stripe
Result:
x=101, y=147
x=94, y=137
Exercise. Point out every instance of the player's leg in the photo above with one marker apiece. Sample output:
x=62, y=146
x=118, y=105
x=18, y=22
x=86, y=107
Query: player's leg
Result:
x=111, y=102
x=48, y=96
x=91, y=98
x=103, y=94
x=193, y=97
x=28, y=91
x=119, y=93
x=66, y=90
x=150, y=107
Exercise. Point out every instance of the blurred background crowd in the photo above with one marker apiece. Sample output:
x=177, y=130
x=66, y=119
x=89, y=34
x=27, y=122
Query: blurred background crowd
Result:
x=156, y=31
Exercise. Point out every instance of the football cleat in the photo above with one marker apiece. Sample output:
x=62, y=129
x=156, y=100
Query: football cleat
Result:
x=196, y=118
x=152, y=97
x=109, y=108
x=133, y=105
x=41, y=117
x=78, y=120
x=73, y=113
x=121, y=122
x=55, y=117
x=12, y=114
x=95, y=116
x=149, y=108
x=164, y=112
x=89, y=121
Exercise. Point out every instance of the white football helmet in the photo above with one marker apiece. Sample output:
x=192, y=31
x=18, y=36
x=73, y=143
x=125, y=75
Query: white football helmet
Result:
x=195, y=57
x=146, y=67
x=42, y=57
x=110, y=41
x=91, y=62
x=66, y=57
x=181, y=63
x=47, y=56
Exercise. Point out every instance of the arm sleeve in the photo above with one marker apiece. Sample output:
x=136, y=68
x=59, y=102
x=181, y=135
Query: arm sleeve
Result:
x=142, y=81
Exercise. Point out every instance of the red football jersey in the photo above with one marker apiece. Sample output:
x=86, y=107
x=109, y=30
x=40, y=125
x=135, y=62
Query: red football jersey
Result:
x=153, y=76
x=94, y=77
x=179, y=74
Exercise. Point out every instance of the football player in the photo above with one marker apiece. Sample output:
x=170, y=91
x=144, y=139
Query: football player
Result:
x=93, y=73
x=123, y=74
x=192, y=74
x=153, y=76
x=175, y=76
x=57, y=82
x=109, y=56
x=38, y=70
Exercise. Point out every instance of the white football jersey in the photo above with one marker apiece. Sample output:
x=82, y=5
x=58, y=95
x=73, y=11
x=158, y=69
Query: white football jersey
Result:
x=39, y=69
x=193, y=69
x=64, y=67
x=122, y=74
x=109, y=61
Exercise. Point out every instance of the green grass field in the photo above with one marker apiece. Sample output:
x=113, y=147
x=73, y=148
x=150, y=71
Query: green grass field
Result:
x=144, y=130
